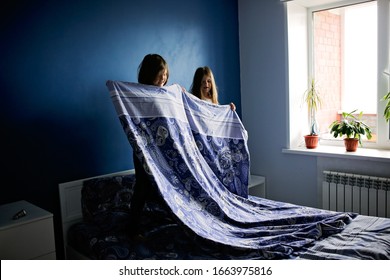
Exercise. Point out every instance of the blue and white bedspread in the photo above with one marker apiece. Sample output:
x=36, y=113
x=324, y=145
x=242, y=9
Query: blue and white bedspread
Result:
x=197, y=155
x=102, y=234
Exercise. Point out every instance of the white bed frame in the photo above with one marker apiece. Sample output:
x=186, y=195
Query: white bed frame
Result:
x=71, y=213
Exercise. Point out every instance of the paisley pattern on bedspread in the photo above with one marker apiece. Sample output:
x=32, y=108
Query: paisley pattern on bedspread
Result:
x=197, y=154
x=106, y=202
x=103, y=234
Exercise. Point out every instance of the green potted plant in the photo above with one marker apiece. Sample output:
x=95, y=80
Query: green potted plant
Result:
x=386, y=112
x=353, y=128
x=312, y=99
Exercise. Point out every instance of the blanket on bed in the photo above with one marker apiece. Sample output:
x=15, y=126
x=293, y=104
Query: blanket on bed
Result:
x=197, y=154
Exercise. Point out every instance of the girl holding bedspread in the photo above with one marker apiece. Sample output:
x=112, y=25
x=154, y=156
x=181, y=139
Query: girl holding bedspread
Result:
x=204, y=86
x=194, y=151
x=153, y=70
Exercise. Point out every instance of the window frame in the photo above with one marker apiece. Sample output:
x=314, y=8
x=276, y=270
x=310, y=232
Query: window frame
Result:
x=299, y=82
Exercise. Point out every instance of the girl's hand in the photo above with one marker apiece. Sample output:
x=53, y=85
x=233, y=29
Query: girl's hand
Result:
x=232, y=106
x=182, y=88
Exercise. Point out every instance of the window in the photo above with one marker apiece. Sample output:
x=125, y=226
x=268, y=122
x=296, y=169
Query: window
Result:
x=345, y=62
x=344, y=46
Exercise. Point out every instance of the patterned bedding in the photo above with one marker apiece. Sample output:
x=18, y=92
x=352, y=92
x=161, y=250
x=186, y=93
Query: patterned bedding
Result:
x=365, y=238
x=102, y=234
x=197, y=156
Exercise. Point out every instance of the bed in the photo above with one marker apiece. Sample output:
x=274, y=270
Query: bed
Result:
x=93, y=212
x=196, y=156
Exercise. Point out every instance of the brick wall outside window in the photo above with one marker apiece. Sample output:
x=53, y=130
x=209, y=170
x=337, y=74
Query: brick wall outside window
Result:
x=328, y=69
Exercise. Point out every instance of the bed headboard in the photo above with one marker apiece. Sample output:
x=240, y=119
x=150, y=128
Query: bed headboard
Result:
x=70, y=202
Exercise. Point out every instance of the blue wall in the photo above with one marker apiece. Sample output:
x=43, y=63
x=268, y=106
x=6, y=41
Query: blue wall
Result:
x=58, y=122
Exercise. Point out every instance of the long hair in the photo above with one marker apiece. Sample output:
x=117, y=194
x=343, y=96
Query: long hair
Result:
x=149, y=68
x=197, y=83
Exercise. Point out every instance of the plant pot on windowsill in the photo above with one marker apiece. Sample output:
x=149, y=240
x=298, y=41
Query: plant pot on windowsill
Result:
x=352, y=127
x=312, y=99
x=311, y=141
x=351, y=144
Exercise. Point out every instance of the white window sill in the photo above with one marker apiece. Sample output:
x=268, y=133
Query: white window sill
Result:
x=340, y=152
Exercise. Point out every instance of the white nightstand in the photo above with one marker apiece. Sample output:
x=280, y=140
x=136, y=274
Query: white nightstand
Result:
x=257, y=186
x=29, y=237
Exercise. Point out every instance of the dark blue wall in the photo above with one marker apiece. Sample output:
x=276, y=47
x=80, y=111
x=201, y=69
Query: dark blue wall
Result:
x=57, y=120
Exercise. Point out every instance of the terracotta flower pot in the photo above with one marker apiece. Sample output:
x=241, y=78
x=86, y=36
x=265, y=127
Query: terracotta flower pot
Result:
x=351, y=144
x=311, y=141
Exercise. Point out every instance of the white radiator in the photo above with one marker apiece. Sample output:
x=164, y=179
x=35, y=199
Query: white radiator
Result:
x=366, y=195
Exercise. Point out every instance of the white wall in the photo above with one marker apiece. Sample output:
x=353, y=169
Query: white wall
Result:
x=369, y=167
x=264, y=99
x=298, y=79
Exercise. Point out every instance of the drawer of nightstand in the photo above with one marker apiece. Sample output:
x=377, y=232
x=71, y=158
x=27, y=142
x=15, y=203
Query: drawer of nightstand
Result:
x=28, y=241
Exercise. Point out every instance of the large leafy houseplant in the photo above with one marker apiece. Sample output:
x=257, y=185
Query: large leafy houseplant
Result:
x=313, y=101
x=352, y=127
